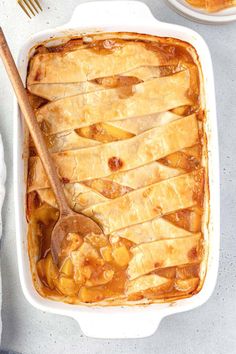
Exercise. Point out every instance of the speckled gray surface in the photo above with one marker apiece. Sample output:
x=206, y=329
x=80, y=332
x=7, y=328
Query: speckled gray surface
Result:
x=210, y=329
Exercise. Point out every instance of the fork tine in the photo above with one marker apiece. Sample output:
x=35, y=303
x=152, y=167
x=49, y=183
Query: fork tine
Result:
x=33, y=5
x=29, y=7
x=23, y=8
x=37, y=2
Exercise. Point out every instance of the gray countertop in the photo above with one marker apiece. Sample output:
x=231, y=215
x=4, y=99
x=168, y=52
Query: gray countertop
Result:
x=208, y=329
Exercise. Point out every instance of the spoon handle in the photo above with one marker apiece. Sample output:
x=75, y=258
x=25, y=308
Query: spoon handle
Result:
x=32, y=124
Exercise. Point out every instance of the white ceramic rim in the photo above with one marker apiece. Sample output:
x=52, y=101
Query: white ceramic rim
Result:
x=202, y=16
x=138, y=321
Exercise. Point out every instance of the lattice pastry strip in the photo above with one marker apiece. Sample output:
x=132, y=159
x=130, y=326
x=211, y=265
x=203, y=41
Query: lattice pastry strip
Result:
x=102, y=160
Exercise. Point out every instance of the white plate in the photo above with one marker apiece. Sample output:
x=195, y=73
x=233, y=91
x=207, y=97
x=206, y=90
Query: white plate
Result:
x=200, y=15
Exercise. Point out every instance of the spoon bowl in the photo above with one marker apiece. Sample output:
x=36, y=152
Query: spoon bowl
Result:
x=72, y=223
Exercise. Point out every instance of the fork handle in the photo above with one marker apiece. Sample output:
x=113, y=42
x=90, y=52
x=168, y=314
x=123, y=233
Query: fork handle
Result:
x=32, y=124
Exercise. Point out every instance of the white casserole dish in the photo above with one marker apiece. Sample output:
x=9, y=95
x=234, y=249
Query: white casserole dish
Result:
x=136, y=321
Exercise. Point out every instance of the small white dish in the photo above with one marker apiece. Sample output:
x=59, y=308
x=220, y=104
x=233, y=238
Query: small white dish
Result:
x=224, y=16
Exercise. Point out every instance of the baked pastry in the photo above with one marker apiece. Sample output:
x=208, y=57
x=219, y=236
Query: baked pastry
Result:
x=123, y=116
x=212, y=5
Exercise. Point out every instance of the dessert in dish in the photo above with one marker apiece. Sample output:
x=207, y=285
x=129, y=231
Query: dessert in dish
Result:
x=123, y=116
x=212, y=5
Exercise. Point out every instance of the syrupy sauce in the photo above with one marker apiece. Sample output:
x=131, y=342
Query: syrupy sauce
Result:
x=103, y=132
x=42, y=220
x=68, y=283
x=107, y=188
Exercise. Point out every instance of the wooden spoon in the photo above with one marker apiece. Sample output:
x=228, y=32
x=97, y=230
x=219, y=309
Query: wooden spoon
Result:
x=69, y=221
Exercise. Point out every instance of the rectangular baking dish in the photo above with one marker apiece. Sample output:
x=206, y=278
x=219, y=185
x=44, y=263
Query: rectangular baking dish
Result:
x=133, y=321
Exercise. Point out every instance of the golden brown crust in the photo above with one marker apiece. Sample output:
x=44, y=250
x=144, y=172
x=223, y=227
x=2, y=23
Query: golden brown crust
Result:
x=127, y=161
x=95, y=162
x=152, y=96
x=147, y=203
x=164, y=253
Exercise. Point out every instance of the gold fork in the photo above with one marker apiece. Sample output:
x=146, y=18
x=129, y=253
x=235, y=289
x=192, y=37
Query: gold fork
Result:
x=30, y=7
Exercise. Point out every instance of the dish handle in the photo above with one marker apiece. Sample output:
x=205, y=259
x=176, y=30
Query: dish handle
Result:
x=119, y=324
x=102, y=13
